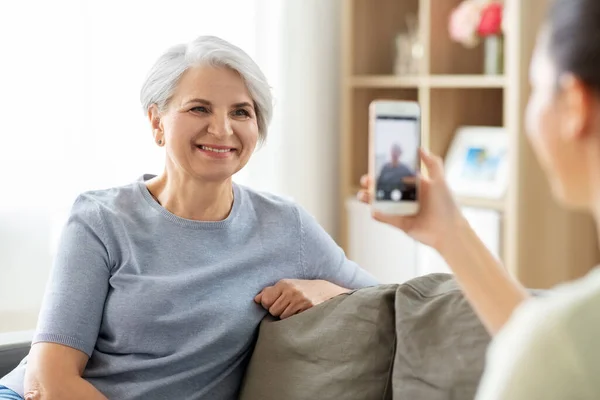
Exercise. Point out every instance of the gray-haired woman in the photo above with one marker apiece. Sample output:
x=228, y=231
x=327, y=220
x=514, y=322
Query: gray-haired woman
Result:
x=159, y=285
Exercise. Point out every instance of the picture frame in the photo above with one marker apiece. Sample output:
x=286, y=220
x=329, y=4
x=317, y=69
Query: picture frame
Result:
x=477, y=162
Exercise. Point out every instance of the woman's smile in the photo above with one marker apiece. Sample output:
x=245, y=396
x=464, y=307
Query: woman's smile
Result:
x=216, y=152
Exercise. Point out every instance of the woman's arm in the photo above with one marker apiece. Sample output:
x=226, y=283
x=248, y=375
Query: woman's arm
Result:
x=487, y=285
x=72, y=309
x=54, y=372
x=492, y=292
x=323, y=265
x=289, y=297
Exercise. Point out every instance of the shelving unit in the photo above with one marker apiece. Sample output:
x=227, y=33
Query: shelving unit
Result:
x=432, y=81
x=497, y=205
x=542, y=244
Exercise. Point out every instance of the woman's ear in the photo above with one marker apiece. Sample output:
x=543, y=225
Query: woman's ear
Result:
x=156, y=124
x=154, y=117
x=577, y=102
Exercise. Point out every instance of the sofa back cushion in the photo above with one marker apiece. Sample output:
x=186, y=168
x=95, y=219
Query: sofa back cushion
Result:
x=417, y=340
x=441, y=343
x=341, y=349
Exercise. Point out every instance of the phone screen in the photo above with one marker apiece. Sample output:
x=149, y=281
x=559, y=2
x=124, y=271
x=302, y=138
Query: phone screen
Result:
x=396, y=157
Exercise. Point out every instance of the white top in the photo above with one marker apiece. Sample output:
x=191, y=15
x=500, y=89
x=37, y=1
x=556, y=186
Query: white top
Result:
x=549, y=349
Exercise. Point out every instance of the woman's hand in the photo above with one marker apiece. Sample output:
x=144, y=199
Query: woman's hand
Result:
x=292, y=296
x=33, y=395
x=488, y=286
x=438, y=214
x=54, y=371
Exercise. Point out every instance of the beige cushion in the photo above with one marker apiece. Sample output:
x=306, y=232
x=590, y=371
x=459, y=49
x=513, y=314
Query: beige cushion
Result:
x=441, y=343
x=341, y=349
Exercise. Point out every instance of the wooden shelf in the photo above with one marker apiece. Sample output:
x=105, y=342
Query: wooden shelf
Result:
x=538, y=244
x=386, y=81
x=431, y=81
x=491, y=204
x=466, y=81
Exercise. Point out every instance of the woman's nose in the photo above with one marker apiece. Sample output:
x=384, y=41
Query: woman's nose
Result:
x=220, y=126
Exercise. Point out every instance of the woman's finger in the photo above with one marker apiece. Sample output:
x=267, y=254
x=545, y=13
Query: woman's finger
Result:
x=289, y=311
x=400, y=222
x=269, y=295
x=365, y=181
x=32, y=395
x=279, y=306
x=364, y=196
x=258, y=298
x=433, y=163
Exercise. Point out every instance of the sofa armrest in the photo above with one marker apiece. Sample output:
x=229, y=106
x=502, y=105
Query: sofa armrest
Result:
x=14, y=346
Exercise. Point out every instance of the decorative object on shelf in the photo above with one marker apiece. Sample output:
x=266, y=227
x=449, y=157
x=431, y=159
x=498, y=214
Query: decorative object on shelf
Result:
x=409, y=49
x=474, y=20
x=477, y=162
x=494, y=55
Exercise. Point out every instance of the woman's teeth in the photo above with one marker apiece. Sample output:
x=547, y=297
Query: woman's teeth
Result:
x=214, y=150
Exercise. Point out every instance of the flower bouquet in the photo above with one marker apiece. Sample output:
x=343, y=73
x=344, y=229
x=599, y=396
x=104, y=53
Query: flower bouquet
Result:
x=476, y=20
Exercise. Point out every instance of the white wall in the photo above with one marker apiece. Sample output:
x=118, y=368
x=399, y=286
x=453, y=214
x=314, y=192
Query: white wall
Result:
x=299, y=47
x=71, y=120
x=310, y=108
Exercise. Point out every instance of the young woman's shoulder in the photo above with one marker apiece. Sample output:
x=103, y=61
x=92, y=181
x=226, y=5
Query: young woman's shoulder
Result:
x=548, y=349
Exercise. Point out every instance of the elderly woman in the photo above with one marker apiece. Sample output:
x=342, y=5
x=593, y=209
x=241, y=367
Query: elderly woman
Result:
x=159, y=285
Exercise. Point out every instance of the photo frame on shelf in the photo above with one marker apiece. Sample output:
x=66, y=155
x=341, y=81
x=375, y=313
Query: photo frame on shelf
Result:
x=477, y=162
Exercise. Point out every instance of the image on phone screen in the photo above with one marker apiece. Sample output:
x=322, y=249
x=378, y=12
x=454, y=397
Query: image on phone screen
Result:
x=396, y=157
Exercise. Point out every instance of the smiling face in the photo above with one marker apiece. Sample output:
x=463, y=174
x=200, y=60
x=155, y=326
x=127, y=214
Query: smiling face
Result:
x=209, y=127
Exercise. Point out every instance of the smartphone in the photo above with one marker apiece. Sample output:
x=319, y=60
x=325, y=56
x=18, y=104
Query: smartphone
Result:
x=394, y=141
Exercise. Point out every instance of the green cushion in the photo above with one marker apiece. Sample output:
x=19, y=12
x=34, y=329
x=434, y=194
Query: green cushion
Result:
x=341, y=349
x=441, y=343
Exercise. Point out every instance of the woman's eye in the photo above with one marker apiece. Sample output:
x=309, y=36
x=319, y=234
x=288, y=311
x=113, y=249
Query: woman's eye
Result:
x=201, y=109
x=241, y=113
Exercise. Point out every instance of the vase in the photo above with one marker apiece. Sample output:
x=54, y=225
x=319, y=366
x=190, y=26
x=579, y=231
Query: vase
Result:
x=408, y=55
x=494, y=55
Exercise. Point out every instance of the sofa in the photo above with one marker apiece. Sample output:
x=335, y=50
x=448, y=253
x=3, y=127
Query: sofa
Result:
x=12, y=352
x=416, y=340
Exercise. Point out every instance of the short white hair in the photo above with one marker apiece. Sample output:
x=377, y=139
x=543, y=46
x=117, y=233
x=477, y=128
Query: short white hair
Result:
x=165, y=74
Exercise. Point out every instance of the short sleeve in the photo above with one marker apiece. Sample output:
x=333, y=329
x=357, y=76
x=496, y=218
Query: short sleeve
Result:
x=73, y=303
x=322, y=258
x=533, y=358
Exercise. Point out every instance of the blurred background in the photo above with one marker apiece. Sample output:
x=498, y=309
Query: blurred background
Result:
x=71, y=71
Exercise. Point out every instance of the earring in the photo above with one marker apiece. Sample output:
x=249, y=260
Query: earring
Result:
x=160, y=142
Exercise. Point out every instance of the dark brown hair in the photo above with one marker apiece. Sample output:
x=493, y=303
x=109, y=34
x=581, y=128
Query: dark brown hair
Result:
x=574, y=39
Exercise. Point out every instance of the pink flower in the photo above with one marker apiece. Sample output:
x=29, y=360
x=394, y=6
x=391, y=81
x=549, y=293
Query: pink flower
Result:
x=491, y=20
x=464, y=22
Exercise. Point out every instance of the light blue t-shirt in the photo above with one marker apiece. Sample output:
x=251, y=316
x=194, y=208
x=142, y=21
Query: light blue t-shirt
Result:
x=164, y=305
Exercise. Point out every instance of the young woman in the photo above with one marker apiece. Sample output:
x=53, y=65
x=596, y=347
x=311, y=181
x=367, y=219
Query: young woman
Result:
x=545, y=348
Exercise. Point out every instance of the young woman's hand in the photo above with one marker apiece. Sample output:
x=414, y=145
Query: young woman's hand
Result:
x=438, y=214
x=289, y=297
